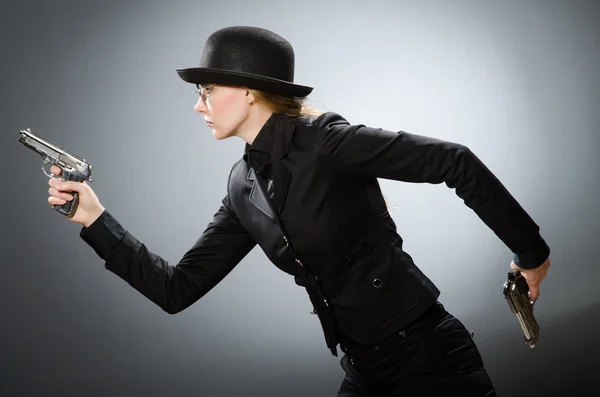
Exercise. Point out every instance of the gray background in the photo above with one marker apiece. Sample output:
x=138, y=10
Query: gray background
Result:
x=516, y=81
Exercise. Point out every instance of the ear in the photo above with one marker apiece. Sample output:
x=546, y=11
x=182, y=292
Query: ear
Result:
x=250, y=97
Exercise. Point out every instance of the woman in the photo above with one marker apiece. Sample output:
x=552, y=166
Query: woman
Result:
x=306, y=191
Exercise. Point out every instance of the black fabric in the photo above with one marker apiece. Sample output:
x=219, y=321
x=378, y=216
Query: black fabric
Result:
x=434, y=356
x=103, y=235
x=317, y=297
x=265, y=162
x=261, y=162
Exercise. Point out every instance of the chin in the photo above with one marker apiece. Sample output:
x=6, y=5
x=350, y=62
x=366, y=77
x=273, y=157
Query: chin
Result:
x=220, y=135
x=217, y=135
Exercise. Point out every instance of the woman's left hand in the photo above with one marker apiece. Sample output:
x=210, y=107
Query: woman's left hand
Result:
x=533, y=277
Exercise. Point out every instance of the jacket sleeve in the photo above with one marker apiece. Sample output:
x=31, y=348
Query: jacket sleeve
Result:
x=374, y=152
x=219, y=249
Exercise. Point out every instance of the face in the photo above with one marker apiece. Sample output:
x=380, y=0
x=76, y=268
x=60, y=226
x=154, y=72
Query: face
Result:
x=226, y=108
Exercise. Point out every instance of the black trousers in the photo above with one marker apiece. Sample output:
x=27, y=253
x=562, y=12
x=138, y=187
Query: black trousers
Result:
x=434, y=356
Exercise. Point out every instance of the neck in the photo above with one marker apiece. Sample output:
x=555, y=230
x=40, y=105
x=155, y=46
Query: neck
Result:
x=254, y=123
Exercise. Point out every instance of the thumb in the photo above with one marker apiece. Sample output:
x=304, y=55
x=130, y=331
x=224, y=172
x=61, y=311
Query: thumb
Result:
x=534, y=291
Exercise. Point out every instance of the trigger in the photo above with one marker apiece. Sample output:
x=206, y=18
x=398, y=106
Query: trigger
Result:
x=51, y=175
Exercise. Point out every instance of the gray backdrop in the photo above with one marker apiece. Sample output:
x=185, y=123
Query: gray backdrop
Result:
x=516, y=81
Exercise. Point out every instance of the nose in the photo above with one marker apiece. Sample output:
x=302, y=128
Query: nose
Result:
x=200, y=106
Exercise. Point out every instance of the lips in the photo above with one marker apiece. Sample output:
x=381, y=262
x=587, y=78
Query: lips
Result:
x=210, y=124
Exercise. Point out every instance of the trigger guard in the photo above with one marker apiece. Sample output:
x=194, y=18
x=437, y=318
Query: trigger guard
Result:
x=51, y=175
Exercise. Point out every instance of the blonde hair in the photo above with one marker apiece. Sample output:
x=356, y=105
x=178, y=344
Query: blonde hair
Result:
x=290, y=106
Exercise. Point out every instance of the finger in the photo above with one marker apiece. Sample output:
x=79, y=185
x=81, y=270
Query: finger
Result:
x=62, y=195
x=66, y=186
x=57, y=184
x=55, y=170
x=56, y=201
x=534, y=293
x=514, y=266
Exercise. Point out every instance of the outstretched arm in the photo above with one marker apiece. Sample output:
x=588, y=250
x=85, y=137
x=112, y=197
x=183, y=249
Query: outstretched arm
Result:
x=221, y=247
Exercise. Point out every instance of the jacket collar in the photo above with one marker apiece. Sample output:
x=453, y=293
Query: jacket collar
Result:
x=274, y=139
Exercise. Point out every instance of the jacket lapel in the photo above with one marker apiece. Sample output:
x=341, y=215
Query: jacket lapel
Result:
x=283, y=129
x=258, y=197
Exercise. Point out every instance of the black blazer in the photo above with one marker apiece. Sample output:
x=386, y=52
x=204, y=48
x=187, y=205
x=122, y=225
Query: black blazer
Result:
x=319, y=216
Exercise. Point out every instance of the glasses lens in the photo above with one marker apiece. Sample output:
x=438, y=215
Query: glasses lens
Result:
x=204, y=92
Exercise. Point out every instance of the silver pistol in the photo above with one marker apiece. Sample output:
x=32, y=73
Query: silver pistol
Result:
x=516, y=294
x=73, y=168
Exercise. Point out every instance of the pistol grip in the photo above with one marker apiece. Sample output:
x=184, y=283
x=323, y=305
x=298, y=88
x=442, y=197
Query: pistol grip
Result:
x=70, y=207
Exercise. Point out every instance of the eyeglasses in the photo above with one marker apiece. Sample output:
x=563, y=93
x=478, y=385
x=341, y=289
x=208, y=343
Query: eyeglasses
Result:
x=204, y=92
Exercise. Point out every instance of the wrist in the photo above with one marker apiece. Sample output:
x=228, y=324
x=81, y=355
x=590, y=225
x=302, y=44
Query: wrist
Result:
x=94, y=217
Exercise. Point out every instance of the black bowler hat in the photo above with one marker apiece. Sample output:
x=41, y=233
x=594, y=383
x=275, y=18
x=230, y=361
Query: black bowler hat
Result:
x=247, y=56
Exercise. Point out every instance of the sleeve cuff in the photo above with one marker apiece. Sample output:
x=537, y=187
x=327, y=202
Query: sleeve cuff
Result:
x=103, y=235
x=534, y=256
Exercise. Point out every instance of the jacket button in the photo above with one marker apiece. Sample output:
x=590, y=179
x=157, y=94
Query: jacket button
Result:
x=314, y=311
x=377, y=283
x=285, y=242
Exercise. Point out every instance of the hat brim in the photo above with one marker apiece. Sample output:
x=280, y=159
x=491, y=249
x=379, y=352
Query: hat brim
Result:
x=228, y=77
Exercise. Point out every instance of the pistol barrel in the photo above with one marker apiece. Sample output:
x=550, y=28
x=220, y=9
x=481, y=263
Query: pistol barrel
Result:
x=56, y=155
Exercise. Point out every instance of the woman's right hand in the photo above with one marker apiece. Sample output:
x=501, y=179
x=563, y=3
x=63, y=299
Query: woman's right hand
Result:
x=89, y=208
